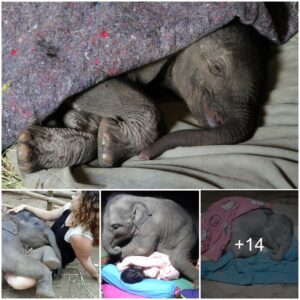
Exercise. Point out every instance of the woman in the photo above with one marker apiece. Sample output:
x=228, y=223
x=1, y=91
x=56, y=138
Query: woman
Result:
x=76, y=227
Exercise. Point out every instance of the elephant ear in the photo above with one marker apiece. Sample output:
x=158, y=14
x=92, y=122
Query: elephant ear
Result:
x=140, y=214
x=10, y=226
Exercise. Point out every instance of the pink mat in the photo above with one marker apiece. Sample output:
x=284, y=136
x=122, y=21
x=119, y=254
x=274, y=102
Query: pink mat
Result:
x=110, y=291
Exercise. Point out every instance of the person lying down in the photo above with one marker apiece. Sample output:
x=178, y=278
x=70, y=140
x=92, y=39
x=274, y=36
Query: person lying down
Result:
x=157, y=265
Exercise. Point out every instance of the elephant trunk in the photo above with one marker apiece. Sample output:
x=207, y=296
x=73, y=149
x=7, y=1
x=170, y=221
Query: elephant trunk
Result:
x=234, y=131
x=282, y=249
x=107, y=240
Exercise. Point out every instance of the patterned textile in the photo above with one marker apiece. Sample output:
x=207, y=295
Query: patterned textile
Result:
x=157, y=265
x=51, y=51
x=217, y=220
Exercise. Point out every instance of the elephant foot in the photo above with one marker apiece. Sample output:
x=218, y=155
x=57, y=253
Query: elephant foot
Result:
x=52, y=263
x=45, y=292
x=27, y=152
x=112, y=149
x=43, y=148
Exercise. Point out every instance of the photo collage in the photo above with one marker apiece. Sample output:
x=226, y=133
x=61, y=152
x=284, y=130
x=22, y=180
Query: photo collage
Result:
x=149, y=150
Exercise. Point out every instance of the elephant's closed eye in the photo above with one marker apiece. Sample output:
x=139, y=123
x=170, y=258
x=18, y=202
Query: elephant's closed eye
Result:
x=217, y=68
x=116, y=226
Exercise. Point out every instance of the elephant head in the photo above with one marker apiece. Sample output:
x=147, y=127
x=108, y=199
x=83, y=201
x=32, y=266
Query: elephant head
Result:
x=219, y=78
x=33, y=232
x=121, y=221
x=278, y=235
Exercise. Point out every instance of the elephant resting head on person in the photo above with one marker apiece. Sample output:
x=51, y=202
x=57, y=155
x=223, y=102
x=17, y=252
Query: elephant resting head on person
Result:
x=139, y=226
x=23, y=230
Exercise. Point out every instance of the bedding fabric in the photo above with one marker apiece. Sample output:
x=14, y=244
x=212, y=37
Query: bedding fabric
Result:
x=149, y=288
x=216, y=223
x=283, y=202
x=268, y=160
x=51, y=51
x=110, y=291
x=257, y=269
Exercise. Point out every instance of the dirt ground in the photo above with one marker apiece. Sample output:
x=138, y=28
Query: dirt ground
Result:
x=75, y=282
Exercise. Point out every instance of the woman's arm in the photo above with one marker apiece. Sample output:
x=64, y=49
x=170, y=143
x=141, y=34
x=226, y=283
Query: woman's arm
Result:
x=82, y=247
x=47, y=215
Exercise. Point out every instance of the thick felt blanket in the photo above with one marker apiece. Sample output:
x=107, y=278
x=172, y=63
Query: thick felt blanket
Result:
x=51, y=51
x=268, y=160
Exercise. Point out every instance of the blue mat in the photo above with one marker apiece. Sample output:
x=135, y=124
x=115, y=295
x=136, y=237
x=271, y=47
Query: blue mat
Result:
x=258, y=269
x=149, y=288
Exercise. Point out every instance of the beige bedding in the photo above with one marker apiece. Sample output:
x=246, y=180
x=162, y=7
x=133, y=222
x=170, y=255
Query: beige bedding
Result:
x=268, y=160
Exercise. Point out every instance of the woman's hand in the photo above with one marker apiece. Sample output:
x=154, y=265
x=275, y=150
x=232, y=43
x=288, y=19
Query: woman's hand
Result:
x=17, y=208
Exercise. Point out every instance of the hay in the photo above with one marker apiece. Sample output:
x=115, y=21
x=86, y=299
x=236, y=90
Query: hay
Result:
x=10, y=177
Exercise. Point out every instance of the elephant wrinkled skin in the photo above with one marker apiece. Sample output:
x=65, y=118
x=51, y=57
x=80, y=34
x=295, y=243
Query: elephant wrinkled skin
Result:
x=134, y=225
x=23, y=230
x=219, y=77
x=275, y=230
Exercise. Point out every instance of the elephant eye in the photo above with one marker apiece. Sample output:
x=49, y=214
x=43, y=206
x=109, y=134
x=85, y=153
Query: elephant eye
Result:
x=217, y=68
x=116, y=226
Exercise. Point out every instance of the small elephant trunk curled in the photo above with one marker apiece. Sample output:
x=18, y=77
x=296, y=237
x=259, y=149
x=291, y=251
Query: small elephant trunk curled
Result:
x=107, y=240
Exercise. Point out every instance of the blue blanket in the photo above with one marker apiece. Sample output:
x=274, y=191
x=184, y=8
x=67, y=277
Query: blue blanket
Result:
x=149, y=288
x=258, y=269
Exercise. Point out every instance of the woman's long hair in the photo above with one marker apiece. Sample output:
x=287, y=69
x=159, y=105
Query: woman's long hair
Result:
x=87, y=214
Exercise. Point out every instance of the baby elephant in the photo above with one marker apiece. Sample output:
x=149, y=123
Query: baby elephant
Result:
x=139, y=226
x=219, y=78
x=24, y=230
x=275, y=230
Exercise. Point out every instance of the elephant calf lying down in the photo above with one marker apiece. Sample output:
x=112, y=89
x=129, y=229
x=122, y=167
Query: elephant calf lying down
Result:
x=275, y=230
x=24, y=230
x=219, y=78
x=139, y=226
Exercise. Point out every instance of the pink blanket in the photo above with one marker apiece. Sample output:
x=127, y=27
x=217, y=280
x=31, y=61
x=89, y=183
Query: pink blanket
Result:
x=217, y=220
x=157, y=265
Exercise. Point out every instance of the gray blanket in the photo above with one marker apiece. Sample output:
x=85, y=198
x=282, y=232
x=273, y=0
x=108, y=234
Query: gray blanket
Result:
x=51, y=51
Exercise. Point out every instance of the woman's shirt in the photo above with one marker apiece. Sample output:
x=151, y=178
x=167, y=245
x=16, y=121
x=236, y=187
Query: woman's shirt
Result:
x=63, y=234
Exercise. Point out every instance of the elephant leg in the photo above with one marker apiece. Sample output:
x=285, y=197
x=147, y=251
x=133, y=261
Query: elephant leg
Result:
x=180, y=261
x=47, y=256
x=244, y=250
x=26, y=266
x=130, y=121
x=180, y=258
x=42, y=148
x=240, y=237
x=81, y=121
x=121, y=138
